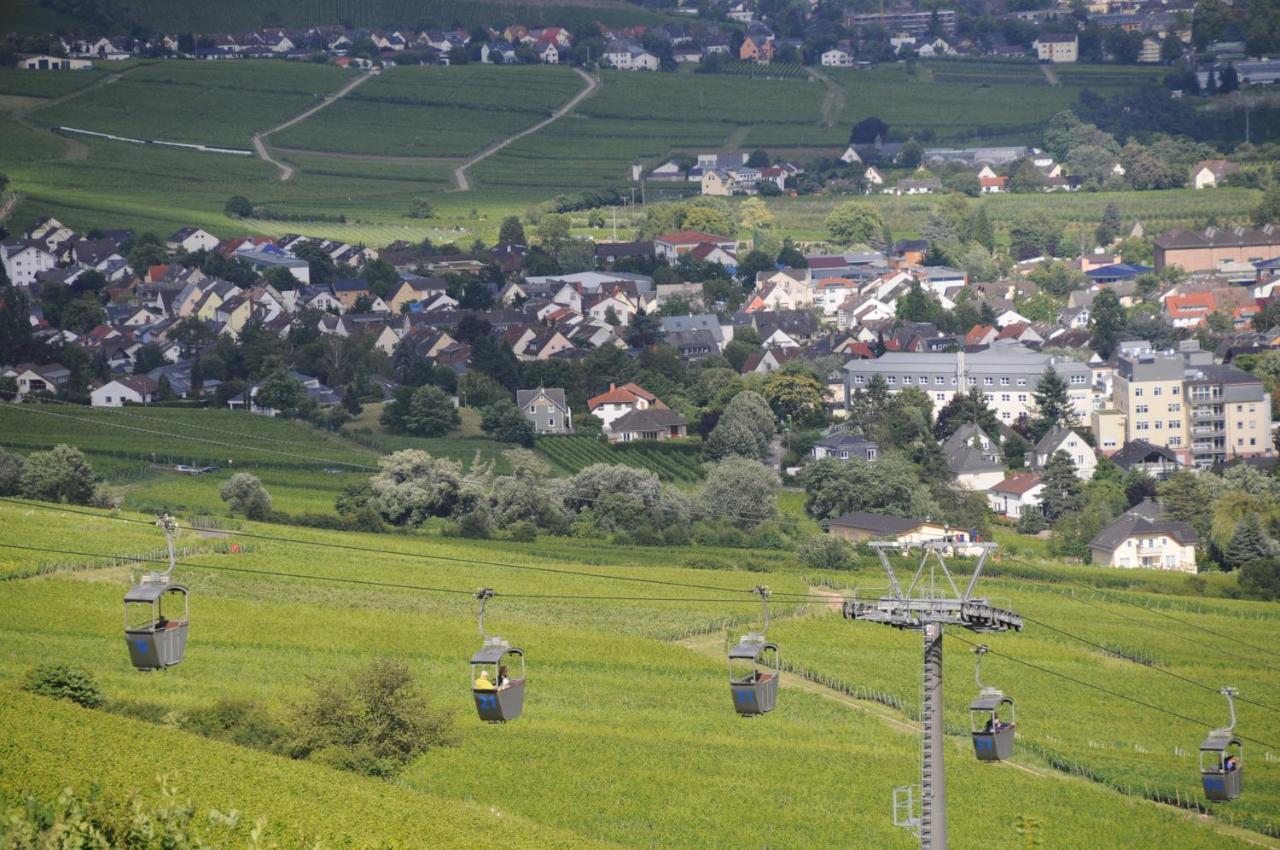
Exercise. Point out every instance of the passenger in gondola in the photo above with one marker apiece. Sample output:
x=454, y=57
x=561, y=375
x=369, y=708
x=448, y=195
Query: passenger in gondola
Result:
x=992, y=725
x=483, y=683
x=503, y=678
x=1231, y=763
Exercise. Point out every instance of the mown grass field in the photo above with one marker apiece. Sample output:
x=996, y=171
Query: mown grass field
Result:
x=615, y=702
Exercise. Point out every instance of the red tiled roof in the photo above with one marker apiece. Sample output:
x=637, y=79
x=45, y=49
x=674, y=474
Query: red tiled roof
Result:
x=1018, y=483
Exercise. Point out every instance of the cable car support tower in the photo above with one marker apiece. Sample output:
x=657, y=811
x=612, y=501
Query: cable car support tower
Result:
x=929, y=602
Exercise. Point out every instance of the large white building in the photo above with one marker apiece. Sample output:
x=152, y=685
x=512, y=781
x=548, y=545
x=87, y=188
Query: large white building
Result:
x=1007, y=374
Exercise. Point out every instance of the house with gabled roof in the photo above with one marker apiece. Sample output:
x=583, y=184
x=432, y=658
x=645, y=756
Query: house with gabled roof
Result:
x=546, y=409
x=1154, y=461
x=1065, y=440
x=127, y=389
x=674, y=245
x=1018, y=492
x=845, y=447
x=192, y=239
x=1144, y=538
x=973, y=458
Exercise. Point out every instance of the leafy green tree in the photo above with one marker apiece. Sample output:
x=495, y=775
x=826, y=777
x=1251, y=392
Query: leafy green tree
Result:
x=758, y=159
x=1208, y=20
x=797, y=398
x=965, y=409
x=1107, y=322
x=1036, y=234
x=62, y=682
x=373, y=720
x=413, y=486
x=911, y=154
x=512, y=231
x=1109, y=227
x=238, y=206
x=1261, y=578
x=980, y=228
x=853, y=223
x=888, y=485
x=1062, y=489
x=282, y=392
x=1058, y=279
x=503, y=421
x=12, y=466
x=742, y=491
x=323, y=269
x=825, y=552
x=1053, y=405
x=1268, y=211
x=430, y=413
x=735, y=436
x=1248, y=544
x=62, y=474
x=244, y=494
x=15, y=324
x=866, y=131
x=1229, y=81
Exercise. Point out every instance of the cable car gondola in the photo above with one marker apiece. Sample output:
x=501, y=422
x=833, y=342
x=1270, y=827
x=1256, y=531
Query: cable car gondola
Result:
x=157, y=641
x=754, y=667
x=499, y=697
x=1222, y=758
x=993, y=728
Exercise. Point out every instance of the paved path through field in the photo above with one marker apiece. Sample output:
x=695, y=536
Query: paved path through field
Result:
x=460, y=173
x=284, y=172
x=71, y=148
x=833, y=103
x=1049, y=75
x=713, y=645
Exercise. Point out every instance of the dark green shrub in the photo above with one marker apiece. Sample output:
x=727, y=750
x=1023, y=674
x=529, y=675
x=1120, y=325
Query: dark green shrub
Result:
x=62, y=682
x=237, y=721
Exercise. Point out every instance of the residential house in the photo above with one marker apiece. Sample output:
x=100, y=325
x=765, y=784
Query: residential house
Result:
x=973, y=458
x=652, y=423
x=316, y=391
x=350, y=290
x=31, y=379
x=1057, y=48
x=756, y=48
x=22, y=261
x=838, y=57
x=130, y=389
x=1143, y=538
x=1210, y=173
x=1154, y=461
x=621, y=400
x=845, y=447
x=913, y=186
x=45, y=62
x=1065, y=440
x=873, y=176
x=1017, y=493
x=672, y=246
x=192, y=239
x=860, y=526
x=547, y=409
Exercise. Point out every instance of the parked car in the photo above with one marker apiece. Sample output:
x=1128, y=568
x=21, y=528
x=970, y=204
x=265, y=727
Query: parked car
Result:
x=182, y=467
x=205, y=469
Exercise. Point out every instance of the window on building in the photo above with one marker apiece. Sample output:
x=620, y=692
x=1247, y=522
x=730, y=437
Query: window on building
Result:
x=973, y=382
x=1004, y=396
x=1006, y=415
x=1022, y=382
x=1155, y=390
x=1022, y=396
x=1173, y=424
x=1175, y=441
x=924, y=379
x=1177, y=390
x=1079, y=379
x=940, y=380
x=1004, y=382
x=941, y=396
x=1253, y=441
x=1175, y=407
x=858, y=379
x=1159, y=425
x=1142, y=426
x=986, y=382
x=893, y=380
x=1141, y=408
x=906, y=380
x=1137, y=392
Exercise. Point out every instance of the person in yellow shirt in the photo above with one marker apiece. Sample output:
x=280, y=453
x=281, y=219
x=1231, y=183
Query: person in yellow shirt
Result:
x=483, y=683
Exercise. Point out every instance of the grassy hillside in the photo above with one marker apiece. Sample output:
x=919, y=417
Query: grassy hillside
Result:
x=613, y=703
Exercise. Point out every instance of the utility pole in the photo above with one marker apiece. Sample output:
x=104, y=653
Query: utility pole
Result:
x=929, y=602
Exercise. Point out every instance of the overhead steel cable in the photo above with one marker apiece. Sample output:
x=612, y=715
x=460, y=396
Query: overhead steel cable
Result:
x=1202, y=723
x=418, y=555
x=371, y=582
x=1165, y=670
x=1107, y=594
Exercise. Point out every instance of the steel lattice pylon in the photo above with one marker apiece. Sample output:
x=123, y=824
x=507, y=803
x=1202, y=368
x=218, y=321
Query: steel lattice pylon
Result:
x=929, y=602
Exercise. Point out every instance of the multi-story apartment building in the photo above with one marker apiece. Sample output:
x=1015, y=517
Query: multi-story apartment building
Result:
x=1007, y=374
x=1148, y=394
x=905, y=20
x=1204, y=412
x=1228, y=414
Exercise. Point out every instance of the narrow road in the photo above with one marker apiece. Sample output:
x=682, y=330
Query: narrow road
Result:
x=833, y=103
x=1049, y=75
x=284, y=172
x=460, y=173
x=72, y=149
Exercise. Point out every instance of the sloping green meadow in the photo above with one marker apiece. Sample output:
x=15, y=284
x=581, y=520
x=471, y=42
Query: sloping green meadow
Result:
x=628, y=737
